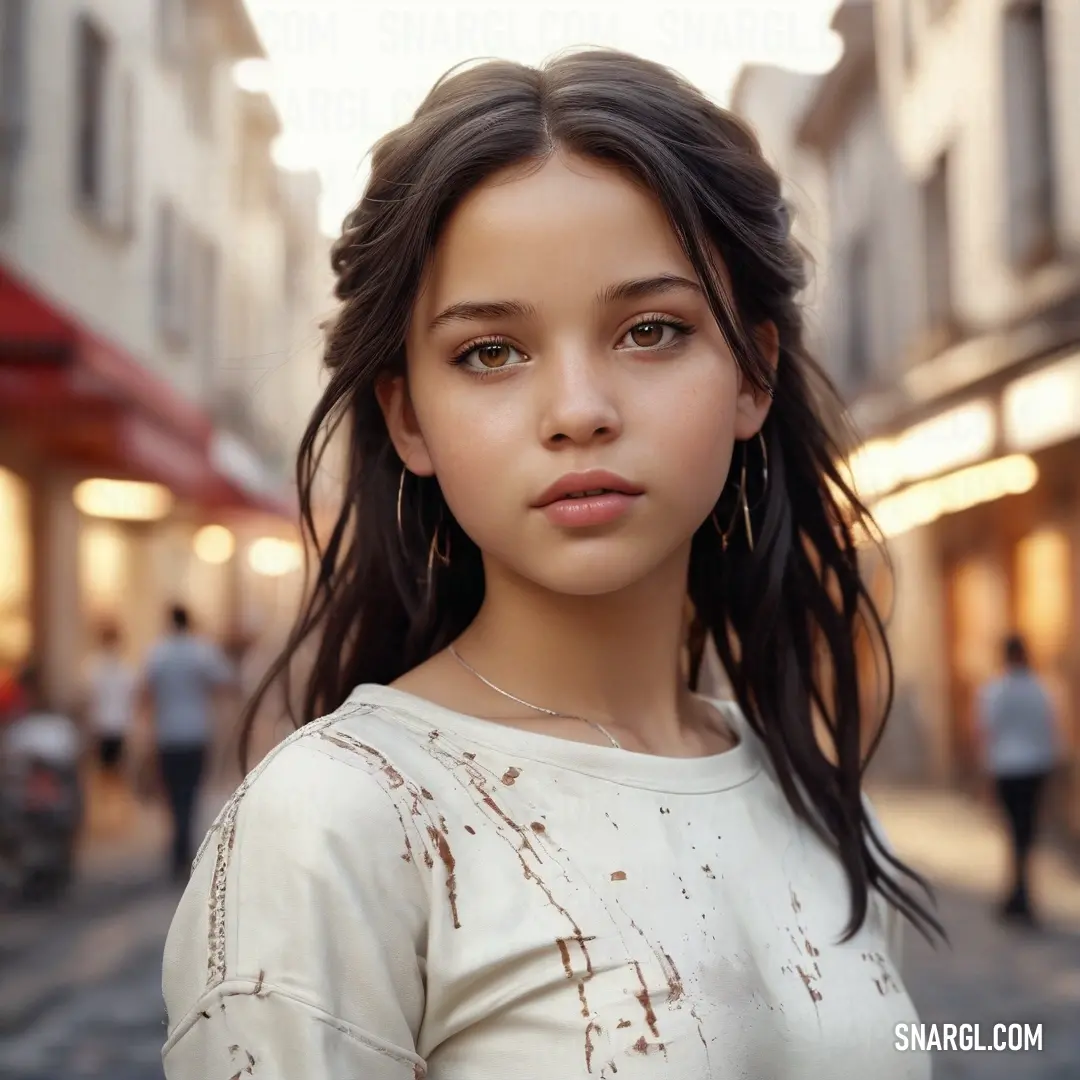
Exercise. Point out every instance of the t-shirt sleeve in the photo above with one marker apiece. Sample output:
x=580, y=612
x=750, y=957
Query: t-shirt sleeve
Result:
x=298, y=947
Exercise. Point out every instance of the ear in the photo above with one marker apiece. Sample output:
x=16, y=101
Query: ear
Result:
x=392, y=393
x=752, y=405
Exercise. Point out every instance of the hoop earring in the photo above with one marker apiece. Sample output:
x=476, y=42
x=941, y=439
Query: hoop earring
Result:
x=764, y=463
x=742, y=504
x=434, y=553
x=400, y=493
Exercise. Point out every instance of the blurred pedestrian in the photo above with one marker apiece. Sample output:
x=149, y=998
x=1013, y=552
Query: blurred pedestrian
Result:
x=184, y=673
x=1020, y=749
x=110, y=695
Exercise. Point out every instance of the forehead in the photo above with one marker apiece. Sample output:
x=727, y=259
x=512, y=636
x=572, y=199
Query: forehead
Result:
x=545, y=231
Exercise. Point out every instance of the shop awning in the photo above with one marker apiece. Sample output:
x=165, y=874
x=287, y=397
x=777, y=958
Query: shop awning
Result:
x=244, y=474
x=68, y=395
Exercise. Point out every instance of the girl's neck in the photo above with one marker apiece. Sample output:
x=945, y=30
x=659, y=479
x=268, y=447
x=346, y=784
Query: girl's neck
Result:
x=614, y=658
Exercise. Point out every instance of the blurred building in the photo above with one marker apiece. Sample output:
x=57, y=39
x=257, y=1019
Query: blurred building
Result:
x=161, y=284
x=773, y=100
x=869, y=311
x=950, y=136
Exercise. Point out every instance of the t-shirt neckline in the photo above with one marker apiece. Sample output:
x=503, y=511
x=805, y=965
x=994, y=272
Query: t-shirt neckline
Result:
x=675, y=775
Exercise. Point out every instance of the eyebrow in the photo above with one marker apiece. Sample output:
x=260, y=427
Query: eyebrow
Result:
x=638, y=288
x=633, y=289
x=476, y=311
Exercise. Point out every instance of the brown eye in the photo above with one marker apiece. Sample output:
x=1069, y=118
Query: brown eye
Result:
x=647, y=335
x=494, y=355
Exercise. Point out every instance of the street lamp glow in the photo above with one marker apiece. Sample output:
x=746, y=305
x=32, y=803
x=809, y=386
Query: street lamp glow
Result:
x=214, y=544
x=272, y=557
x=123, y=500
x=930, y=500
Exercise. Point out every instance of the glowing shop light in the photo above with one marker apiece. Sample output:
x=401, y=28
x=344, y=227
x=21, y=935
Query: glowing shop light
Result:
x=930, y=500
x=874, y=468
x=952, y=439
x=958, y=437
x=272, y=557
x=123, y=500
x=1044, y=407
x=214, y=544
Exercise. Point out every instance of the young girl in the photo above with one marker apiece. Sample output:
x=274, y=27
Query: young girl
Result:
x=518, y=844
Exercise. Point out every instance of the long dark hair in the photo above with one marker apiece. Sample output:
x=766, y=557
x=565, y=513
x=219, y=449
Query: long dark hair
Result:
x=789, y=614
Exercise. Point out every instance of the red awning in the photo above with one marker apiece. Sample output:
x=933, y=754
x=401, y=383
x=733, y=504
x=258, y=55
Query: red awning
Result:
x=73, y=397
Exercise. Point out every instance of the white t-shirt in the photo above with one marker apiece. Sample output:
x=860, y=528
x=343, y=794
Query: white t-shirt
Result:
x=112, y=683
x=400, y=891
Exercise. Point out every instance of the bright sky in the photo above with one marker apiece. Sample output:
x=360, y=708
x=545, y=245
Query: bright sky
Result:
x=344, y=72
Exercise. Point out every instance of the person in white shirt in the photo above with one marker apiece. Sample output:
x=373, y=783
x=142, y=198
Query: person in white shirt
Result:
x=110, y=699
x=111, y=687
x=510, y=839
x=1021, y=748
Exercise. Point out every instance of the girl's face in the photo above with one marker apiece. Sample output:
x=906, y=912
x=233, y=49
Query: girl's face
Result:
x=561, y=332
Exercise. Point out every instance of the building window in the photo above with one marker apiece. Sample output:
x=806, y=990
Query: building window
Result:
x=188, y=276
x=93, y=59
x=12, y=96
x=858, y=312
x=173, y=278
x=937, y=247
x=105, y=111
x=1029, y=146
x=206, y=265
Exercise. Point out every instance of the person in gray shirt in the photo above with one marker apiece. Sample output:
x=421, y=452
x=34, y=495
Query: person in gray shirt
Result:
x=1021, y=748
x=183, y=674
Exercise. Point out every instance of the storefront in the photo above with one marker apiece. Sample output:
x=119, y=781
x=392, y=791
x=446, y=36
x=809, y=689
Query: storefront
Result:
x=981, y=506
x=1009, y=566
x=108, y=478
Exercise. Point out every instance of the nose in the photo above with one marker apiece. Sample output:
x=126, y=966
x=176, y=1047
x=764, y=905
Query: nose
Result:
x=579, y=403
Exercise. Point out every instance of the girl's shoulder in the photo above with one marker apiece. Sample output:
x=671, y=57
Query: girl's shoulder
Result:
x=350, y=764
x=309, y=862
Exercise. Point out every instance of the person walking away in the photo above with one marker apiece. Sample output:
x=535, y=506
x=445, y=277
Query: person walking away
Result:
x=1021, y=749
x=184, y=673
x=111, y=687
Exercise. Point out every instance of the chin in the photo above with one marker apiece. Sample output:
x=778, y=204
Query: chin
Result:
x=601, y=571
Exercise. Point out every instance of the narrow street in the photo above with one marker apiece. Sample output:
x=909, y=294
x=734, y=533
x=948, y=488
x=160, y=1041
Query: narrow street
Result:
x=989, y=973
x=80, y=994
x=80, y=981
x=995, y=975
x=80, y=986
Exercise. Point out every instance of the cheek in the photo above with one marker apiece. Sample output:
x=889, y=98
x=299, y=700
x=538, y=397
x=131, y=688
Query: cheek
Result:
x=471, y=449
x=693, y=421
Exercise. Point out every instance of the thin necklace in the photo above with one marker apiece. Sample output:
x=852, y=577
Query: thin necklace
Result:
x=528, y=704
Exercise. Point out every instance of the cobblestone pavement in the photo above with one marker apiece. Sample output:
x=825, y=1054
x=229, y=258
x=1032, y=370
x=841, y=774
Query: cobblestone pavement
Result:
x=989, y=973
x=80, y=994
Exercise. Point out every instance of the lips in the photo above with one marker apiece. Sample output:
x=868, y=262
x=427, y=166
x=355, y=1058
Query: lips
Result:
x=587, y=484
